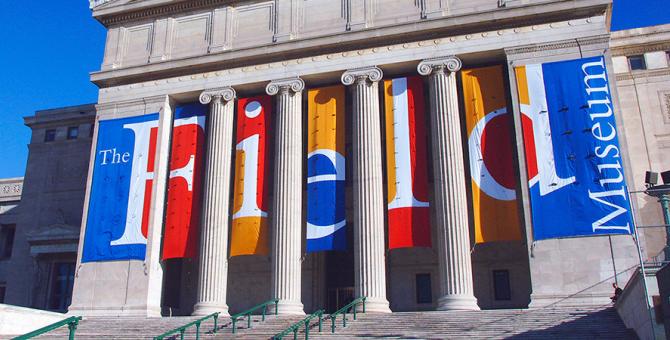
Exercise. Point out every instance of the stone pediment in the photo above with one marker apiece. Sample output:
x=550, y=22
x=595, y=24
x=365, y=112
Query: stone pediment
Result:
x=103, y=4
x=54, y=233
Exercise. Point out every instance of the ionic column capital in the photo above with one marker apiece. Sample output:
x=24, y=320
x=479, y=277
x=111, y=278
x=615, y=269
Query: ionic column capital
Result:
x=370, y=73
x=224, y=93
x=439, y=64
x=284, y=85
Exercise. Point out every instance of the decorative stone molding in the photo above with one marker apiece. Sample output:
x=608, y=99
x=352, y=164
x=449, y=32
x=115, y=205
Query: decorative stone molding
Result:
x=643, y=74
x=225, y=93
x=558, y=45
x=371, y=73
x=640, y=49
x=428, y=66
x=296, y=84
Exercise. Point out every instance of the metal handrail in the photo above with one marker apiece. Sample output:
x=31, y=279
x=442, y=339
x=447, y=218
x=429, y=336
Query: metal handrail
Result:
x=343, y=311
x=181, y=330
x=248, y=312
x=296, y=326
x=71, y=323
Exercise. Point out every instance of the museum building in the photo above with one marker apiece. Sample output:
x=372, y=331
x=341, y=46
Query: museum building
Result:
x=424, y=154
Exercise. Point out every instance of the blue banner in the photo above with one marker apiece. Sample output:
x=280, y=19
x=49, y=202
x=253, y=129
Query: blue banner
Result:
x=120, y=194
x=575, y=169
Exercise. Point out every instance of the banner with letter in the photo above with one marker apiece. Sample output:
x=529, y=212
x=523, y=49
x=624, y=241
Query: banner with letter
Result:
x=120, y=193
x=491, y=150
x=575, y=170
x=407, y=166
x=326, y=219
x=182, y=223
x=250, y=233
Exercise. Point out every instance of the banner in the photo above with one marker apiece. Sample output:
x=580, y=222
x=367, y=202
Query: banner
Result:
x=250, y=235
x=120, y=194
x=182, y=223
x=408, y=208
x=575, y=171
x=491, y=150
x=326, y=219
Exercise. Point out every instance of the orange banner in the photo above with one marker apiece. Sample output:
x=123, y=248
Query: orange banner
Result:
x=491, y=148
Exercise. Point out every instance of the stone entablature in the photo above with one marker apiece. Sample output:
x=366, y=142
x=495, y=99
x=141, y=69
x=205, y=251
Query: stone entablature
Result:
x=581, y=32
x=11, y=189
x=218, y=34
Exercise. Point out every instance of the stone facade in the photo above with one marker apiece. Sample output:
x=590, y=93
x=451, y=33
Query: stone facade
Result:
x=161, y=53
x=40, y=271
x=644, y=97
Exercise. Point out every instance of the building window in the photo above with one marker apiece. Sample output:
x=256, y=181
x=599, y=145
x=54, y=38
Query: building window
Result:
x=424, y=293
x=50, y=135
x=72, y=132
x=62, y=280
x=7, y=232
x=637, y=62
x=3, y=290
x=501, y=286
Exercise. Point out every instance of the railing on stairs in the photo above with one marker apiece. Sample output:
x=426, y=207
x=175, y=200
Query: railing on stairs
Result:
x=343, y=311
x=71, y=323
x=294, y=328
x=181, y=330
x=248, y=312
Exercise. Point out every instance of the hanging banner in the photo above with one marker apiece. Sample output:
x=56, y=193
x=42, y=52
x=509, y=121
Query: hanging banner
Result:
x=250, y=234
x=575, y=171
x=182, y=223
x=120, y=194
x=491, y=149
x=326, y=218
x=408, y=207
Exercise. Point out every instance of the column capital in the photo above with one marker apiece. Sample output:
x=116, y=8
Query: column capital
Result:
x=295, y=84
x=225, y=93
x=372, y=73
x=430, y=65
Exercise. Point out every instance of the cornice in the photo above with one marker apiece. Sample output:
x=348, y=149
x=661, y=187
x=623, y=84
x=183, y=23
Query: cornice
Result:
x=643, y=74
x=156, y=11
x=572, y=43
x=640, y=49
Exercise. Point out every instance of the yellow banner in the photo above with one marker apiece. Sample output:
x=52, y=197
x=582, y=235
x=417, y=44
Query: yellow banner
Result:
x=491, y=148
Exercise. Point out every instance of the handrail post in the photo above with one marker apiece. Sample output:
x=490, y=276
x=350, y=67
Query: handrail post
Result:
x=234, y=321
x=307, y=330
x=216, y=326
x=72, y=326
x=364, y=304
x=295, y=334
x=320, y=317
x=344, y=319
x=181, y=333
x=197, y=331
x=264, y=310
x=276, y=306
x=332, y=324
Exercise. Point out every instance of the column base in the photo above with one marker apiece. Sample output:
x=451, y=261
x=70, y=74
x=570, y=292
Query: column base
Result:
x=375, y=305
x=207, y=308
x=457, y=302
x=287, y=307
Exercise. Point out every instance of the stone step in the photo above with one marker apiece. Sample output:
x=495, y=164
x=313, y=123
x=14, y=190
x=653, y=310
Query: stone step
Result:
x=595, y=322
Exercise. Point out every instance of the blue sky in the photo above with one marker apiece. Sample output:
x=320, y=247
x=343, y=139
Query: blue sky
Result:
x=48, y=48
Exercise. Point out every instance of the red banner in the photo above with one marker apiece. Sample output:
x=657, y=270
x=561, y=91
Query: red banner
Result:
x=182, y=223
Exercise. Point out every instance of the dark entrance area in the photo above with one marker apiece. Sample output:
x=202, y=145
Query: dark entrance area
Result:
x=340, y=276
x=179, y=286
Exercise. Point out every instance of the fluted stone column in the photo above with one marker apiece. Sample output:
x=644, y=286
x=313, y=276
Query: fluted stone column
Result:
x=369, y=254
x=287, y=204
x=451, y=205
x=213, y=261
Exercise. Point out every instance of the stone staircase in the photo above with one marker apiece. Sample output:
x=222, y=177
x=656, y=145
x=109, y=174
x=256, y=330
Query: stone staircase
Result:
x=593, y=322
x=596, y=322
